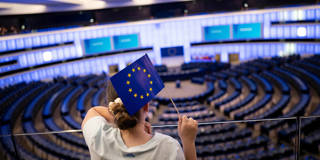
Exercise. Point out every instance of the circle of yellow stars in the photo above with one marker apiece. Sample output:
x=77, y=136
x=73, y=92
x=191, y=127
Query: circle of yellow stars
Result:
x=135, y=95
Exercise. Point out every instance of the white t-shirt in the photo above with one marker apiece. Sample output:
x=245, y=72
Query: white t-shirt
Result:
x=105, y=142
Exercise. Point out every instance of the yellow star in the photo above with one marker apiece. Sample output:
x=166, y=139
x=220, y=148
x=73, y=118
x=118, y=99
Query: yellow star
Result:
x=128, y=82
x=150, y=82
x=141, y=96
x=144, y=70
x=130, y=90
x=135, y=95
x=139, y=68
x=149, y=75
x=129, y=75
x=133, y=70
x=147, y=94
x=150, y=89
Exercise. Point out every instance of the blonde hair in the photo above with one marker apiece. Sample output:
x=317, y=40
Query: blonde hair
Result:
x=121, y=116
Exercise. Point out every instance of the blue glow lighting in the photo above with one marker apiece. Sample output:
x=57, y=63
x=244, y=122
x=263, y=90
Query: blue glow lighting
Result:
x=213, y=33
x=126, y=41
x=97, y=45
x=247, y=31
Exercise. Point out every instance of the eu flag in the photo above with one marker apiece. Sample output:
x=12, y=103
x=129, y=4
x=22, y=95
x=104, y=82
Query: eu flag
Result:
x=137, y=84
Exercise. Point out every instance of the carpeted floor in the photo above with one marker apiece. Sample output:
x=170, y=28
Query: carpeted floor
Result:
x=187, y=89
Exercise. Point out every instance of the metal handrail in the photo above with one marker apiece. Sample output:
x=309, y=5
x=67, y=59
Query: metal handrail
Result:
x=171, y=125
x=297, y=118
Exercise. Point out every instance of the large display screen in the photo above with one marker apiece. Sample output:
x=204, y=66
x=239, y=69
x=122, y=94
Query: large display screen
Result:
x=97, y=45
x=126, y=41
x=247, y=31
x=213, y=33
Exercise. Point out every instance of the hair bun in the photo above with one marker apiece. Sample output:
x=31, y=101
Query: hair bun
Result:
x=118, y=100
x=121, y=116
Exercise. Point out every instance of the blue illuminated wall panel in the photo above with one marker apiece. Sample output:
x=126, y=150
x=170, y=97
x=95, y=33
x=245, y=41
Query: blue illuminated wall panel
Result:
x=247, y=31
x=126, y=41
x=212, y=33
x=97, y=45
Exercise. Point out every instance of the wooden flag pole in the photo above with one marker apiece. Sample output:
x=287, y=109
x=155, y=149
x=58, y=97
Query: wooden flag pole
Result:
x=175, y=107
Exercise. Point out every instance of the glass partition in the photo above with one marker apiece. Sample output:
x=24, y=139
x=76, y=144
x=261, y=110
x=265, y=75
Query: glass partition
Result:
x=220, y=140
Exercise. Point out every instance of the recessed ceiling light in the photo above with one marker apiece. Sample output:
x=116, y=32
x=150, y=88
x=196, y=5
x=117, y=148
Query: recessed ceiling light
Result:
x=302, y=32
x=47, y=56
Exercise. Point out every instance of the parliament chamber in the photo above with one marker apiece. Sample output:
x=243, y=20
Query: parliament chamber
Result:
x=249, y=76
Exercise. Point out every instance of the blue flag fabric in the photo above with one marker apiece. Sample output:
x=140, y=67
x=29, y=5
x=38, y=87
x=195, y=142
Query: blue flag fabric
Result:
x=137, y=84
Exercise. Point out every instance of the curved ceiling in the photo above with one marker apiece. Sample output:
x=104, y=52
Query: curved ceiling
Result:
x=19, y=7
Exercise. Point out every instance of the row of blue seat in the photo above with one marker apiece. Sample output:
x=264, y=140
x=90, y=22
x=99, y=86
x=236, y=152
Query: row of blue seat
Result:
x=223, y=138
x=284, y=87
x=7, y=101
x=67, y=102
x=261, y=103
x=296, y=81
x=185, y=109
x=83, y=100
x=275, y=110
x=220, y=75
x=233, y=147
x=283, y=152
x=8, y=122
x=200, y=116
x=230, y=73
x=261, y=65
x=97, y=96
x=250, y=68
x=236, y=84
x=52, y=126
x=97, y=81
x=311, y=142
x=197, y=80
x=183, y=104
x=10, y=147
x=250, y=83
x=6, y=91
x=309, y=66
x=242, y=71
x=223, y=89
x=53, y=103
x=267, y=87
x=38, y=102
x=242, y=103
x=19, y=105
x=237, y=87
x=308, y=76
x=307, y=126
x=50, y=147
x=233, y=96
x=29, y=114
x=253, y=90
x=297, y=110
